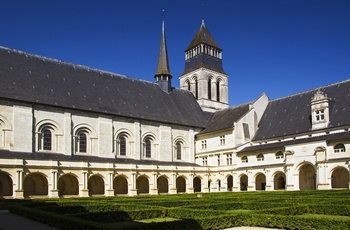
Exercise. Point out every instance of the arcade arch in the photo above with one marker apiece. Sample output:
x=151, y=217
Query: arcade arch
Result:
x=142, y=185
x=197, y=184
x=279, y=181
x=307, y=177
x=180, y=184
x=68, y=185
x=6, y=185
x=96, y=185
x=340, y=178
x=120, y=185
x=35, y=184
x=260, y=182
x=243, y=181
x=162, y=184
x=229, y=183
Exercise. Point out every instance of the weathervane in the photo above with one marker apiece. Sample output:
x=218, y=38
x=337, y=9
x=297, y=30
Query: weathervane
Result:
x=202, y=9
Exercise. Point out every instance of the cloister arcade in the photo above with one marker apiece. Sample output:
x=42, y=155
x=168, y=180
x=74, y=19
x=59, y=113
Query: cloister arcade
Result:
x=70, y=184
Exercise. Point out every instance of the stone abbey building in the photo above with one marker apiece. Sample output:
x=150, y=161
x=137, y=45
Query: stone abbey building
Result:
x=70, y=130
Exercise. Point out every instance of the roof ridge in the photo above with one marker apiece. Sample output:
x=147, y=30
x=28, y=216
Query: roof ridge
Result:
x=84, y=67
x=310, y=90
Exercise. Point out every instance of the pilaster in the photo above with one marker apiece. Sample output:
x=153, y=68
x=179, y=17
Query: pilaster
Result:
x=19, y=193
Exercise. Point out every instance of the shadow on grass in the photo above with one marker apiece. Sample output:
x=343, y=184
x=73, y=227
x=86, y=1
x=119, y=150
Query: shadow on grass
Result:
x=77, y=217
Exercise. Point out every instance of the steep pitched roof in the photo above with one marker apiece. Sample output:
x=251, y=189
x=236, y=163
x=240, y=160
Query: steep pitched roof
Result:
x=292, y=115
x=163, y=61
x=203, y=36
x=225, y=118
x=35, y=79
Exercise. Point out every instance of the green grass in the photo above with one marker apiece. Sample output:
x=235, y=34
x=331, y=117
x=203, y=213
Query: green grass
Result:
x=328, y=209
x=157, y=220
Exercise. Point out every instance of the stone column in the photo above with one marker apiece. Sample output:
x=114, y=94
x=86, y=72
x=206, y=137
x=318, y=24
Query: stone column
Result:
x=85, y=191
x=251, y=182
x=289, y=177
x=54, y=190
x=110, y=190
x=235, y=182
x=269, y=183
x=190, y=188
x=321, y=177
x=154, y=189
x=133, y=190
x=205, y=187
x=173, y=189
x=296, y=181
x=19, y=192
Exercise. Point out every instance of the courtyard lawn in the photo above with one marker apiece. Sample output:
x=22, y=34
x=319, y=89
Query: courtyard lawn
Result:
x=327, y=209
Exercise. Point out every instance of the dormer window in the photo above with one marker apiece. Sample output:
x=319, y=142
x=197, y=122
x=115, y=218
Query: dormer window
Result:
x=260, y=157
x=339, y=148
x=320, y=110
x=319, y=115
x=279, y=155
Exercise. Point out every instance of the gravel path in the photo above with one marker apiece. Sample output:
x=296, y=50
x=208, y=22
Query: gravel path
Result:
x=9, y=221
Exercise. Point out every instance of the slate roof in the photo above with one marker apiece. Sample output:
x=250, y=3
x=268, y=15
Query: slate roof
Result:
x=282, y=144
x=292, y=115
x=35, y=79
x=203, y=36
x=225, y=118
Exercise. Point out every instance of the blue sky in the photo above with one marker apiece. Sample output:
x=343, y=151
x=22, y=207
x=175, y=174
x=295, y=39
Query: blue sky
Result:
x=279, y=47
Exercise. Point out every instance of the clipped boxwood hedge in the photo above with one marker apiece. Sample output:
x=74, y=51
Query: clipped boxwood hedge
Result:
x=285, y=210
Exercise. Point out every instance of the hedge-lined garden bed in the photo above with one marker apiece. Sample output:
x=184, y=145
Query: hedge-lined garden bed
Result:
x=286, y=210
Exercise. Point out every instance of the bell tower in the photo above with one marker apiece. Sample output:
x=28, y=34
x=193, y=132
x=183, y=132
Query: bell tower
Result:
x=203, y=74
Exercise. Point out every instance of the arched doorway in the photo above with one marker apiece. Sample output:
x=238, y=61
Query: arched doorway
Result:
x=6, y=185
x=260, y=182
x=279, y=181
x=307, y=177
x=197, y=184
x=162, y=184
x=68, y=185
x=243, y=182
x=120, y=185
x=340, y=178
x=142, y=185
x=96, y=185
x=35, y=184
x=229, y=183
x=180, y=184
